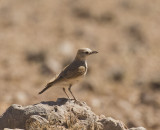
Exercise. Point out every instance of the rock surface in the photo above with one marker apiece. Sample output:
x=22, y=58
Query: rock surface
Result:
x=62, y=114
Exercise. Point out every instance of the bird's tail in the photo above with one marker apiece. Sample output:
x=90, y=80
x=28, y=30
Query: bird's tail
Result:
x=47, y=86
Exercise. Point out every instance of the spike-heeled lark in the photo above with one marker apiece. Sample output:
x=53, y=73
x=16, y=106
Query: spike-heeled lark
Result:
x=73, y=72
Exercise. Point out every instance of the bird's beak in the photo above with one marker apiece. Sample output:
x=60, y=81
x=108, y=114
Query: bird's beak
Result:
x=93, y=52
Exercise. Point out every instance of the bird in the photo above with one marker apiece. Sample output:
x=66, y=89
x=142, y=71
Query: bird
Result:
x=72, y=73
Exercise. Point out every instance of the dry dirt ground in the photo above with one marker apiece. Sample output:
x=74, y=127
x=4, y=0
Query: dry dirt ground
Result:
x=38, y=38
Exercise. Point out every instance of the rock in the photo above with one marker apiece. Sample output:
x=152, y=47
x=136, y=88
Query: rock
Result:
x=62, y=114
x=12, y=129
x=155, y=85
x=66, y=48
x=138, y=128
x=35, y=56
x=135, y=33
x=39, y=57
x=21, y=97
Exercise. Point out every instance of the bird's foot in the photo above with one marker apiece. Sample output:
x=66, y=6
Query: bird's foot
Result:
x=72, y=99
x=76, y=101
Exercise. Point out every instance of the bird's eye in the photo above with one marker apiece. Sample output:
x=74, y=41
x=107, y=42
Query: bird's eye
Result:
x=86, y=52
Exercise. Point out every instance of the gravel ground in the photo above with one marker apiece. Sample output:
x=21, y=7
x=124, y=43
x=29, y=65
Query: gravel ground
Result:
x=38, y=38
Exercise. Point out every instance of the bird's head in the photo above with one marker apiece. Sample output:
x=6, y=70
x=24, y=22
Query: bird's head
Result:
x=84, y=52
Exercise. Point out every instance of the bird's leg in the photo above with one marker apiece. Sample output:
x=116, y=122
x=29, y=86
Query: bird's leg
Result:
x=71, y=92
x=65, y=92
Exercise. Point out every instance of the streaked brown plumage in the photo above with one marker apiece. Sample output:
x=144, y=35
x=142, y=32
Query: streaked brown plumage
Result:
x=73, y=72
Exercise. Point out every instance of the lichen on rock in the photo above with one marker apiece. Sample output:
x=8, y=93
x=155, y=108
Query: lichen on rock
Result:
x=63, y=114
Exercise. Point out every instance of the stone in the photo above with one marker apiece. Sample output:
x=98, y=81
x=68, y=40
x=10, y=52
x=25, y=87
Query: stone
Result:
x=63, y=114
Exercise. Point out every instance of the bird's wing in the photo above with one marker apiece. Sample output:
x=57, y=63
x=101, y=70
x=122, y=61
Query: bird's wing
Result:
x=73, y=71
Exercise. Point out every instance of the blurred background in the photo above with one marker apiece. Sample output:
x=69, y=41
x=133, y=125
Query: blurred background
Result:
x=38, y=38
